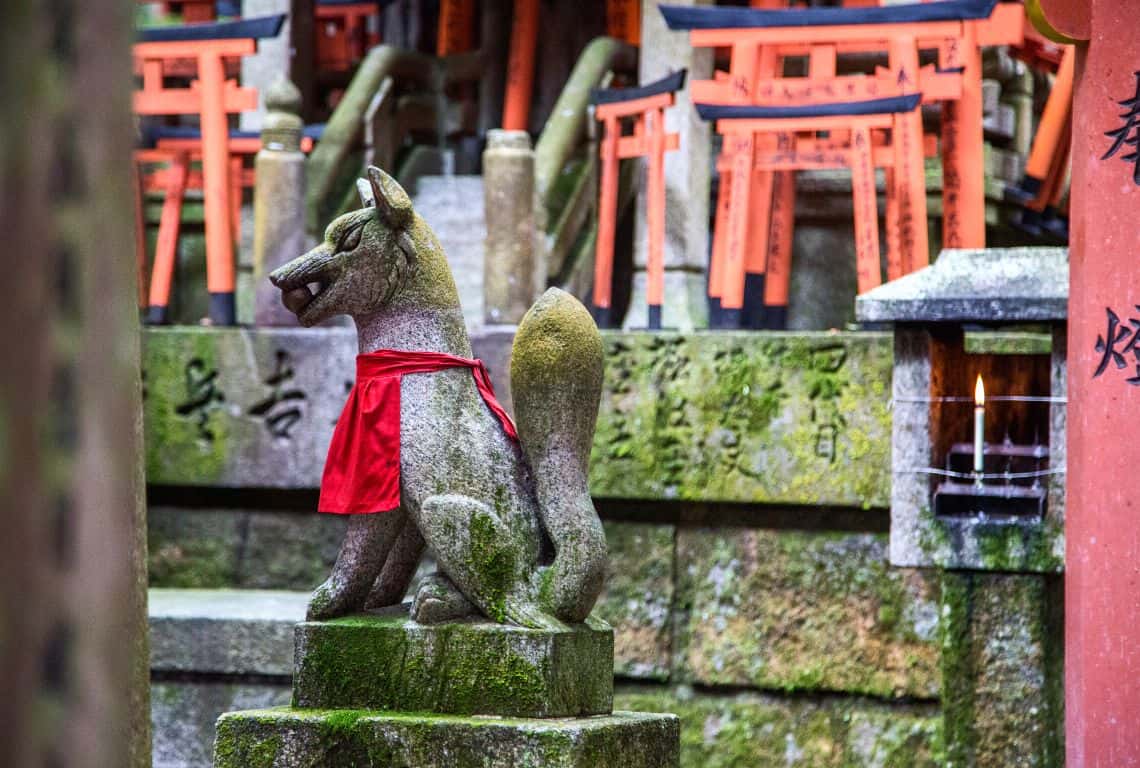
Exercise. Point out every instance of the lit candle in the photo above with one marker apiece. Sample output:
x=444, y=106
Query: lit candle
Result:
x=979, y=427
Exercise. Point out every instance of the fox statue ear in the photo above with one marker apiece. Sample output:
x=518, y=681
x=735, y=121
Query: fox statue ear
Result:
x=364, y=189
x=393, y=205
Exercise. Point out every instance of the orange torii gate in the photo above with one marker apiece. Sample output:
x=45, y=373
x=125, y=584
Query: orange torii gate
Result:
x=646, y=106
x=955, y=28
x=862, y=149
x=769, y=240
x=212, y=97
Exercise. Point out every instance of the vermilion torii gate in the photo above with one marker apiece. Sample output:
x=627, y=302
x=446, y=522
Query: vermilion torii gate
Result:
x=1102, y=528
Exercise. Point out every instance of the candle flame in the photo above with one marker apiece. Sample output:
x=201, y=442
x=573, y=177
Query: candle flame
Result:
x=979, y=393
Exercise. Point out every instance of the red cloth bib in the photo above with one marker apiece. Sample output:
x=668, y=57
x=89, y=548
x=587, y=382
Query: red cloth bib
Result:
x=362, y=471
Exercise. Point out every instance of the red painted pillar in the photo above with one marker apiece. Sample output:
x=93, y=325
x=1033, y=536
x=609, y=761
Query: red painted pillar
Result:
x=520, y=66
x=1102, y=527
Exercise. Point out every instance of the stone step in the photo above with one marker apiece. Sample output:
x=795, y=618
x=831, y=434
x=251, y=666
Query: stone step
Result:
x=224, y=631
x=385, y=661
x=346, y=739
x=453, y=207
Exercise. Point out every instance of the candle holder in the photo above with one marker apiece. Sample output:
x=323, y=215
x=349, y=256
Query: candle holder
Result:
x=1000, y=314
x=1010, y=484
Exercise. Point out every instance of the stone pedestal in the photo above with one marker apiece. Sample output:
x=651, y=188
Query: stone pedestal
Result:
x=284, y=737
x=387, y=662
x=380, y=689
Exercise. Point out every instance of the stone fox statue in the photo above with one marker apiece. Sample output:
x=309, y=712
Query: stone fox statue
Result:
x=510, y=522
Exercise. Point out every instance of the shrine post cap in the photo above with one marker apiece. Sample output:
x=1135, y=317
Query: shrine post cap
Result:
x=678, y=17
x=258, y=28
x=994, y=285
x=668, y=84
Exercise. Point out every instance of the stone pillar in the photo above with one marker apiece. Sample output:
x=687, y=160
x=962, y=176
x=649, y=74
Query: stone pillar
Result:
x=513, y=272
x=278, y=201
x=687, y=175
x=73, y=554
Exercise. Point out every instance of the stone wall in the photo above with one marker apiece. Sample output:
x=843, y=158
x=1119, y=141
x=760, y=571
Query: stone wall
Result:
x=743, y=480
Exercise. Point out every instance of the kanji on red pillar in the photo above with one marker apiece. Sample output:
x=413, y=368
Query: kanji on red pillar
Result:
x=1102, y=528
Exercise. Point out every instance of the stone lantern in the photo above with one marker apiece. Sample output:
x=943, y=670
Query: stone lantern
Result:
x=957, y=502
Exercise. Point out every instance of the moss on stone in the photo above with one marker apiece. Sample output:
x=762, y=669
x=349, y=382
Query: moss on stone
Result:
x=178, y=368
x=749, y=729
x=797, y=611
x=358, y=739
x=1001, y=669
x=638, y=597
x=787, y=418
x=385, y=662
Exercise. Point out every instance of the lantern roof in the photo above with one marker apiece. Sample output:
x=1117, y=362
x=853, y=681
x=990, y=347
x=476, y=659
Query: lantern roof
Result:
x=987, y=285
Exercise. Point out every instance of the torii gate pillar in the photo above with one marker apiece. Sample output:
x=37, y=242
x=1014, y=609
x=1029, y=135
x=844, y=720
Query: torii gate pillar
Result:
x=1102, y=558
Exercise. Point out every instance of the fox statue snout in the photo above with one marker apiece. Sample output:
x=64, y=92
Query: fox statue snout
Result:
x=509, y=523
x=361, y=263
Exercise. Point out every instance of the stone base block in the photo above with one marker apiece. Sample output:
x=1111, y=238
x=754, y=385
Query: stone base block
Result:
x=292, y=738
x=385, y=661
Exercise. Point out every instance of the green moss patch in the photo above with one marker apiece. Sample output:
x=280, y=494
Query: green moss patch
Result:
x=386, y=662
x=804, y=611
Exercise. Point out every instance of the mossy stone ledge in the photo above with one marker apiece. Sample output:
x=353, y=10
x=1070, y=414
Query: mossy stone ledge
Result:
x=385, y=661
x=297, y=738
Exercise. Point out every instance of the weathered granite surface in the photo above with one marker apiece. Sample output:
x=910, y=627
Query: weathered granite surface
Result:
x=638, y=598
x=1002, y=655
x=758, y=730
x=183, y=714
x=742, y=417
x=269, y=550
x=789, y=610
x=752, y=417
x=988, y=285
x=244, y=632
x=240, y=407
x=383, y=661
x=291, y=738
x=191, y=547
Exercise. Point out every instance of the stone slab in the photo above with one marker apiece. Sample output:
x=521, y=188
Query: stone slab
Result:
x=219, y=548
x=757, y=730
x=243, y=632
x=385, y=661
x=755, y=417
x=800, y=611
x=752, y=417
x=243, y=407
x=985, y=285
x=291, y=738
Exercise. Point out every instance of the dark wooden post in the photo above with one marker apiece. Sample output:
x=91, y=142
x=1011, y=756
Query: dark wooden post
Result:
x=74, y=667
x=1102, y=527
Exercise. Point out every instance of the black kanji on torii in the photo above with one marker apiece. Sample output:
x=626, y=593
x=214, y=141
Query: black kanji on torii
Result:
x=1117, y=343
x=280, y=420
x=1129, y=133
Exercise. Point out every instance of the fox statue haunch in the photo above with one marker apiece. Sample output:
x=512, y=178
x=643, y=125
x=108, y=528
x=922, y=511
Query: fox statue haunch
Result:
x=511, y=524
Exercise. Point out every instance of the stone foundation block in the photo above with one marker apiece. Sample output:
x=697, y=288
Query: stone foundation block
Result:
x=385, y=661
x=792, y=610
x=292, y=738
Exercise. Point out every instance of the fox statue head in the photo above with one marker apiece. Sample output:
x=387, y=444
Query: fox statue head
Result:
x=379, y=257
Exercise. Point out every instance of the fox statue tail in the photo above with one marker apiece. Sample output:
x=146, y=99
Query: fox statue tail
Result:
x=556, y=383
